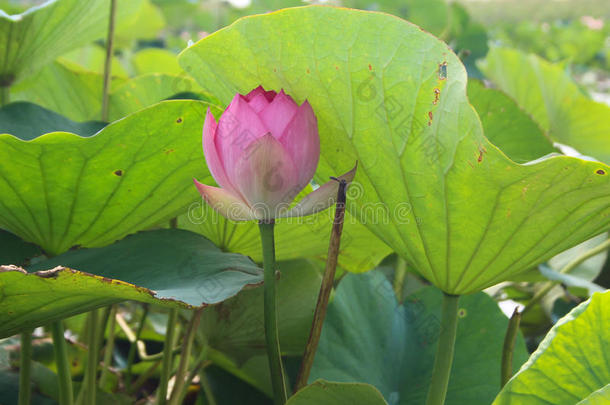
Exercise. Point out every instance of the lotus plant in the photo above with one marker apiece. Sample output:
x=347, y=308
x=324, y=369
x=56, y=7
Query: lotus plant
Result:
x=262, y=152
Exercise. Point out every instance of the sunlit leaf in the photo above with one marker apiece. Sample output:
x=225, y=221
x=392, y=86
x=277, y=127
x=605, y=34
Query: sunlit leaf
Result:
x=61, y=190
x=552, y=98
x=570, y=364
x=394, y=98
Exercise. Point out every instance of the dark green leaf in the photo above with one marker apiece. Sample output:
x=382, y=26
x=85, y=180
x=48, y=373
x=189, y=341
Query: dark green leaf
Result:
x=167, y=267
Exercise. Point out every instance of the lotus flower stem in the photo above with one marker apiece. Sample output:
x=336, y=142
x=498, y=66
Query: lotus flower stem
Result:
x=509, y=347
x=270, y=308
x=325, y=289
x=167, y=356
x=66, y=395
x=444, y=352
x=108, y=61
x=25, y=366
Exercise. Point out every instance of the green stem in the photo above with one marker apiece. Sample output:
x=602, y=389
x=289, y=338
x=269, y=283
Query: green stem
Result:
x=108, y=350
x=63, y=366
x=399, y=278
x=131, y=355
x=509, y=347
x=25, y=367
x=166, y=366
x=270, y=309
x=108, y=61
x=325, y=289
x=5, y=95
x=207, y=389
x=93, y=358
x=548, y=286
x=187, y=346
x=444, y=351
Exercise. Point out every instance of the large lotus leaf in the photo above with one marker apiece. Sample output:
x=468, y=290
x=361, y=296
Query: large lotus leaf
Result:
x=599, y=397
x=551, y=97
x=77, y=93
x=570, y=364
x=168, y=267
x=331, y=393
x=295, y=237
x=507, y=126
x=61, y=190
x=34, y=38
x=394, y=98
x=369, y=337
x=27, y=121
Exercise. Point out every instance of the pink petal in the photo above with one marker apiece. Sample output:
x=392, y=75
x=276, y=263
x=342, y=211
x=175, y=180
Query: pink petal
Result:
x=301, y=141
x=225, y=203
x=211, y=155
x=258, y=102
x=278, y=114
x=269, y=95
x=238, y=127
x=321, y=198
x=266, y=177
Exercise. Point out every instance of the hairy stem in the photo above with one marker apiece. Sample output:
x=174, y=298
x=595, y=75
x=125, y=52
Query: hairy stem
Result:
x=444, y=352
x=325, y=289
x=270, y=310
x=25, y=367
x=66, y=395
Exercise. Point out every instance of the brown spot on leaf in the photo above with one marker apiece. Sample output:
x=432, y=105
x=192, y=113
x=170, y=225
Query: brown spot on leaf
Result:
x=601, y=172
x=370, y=67
x=168, y=151
x=308, y=71
x=430, y=118
x=118, y=172
x=179, y=120
x=480, y=158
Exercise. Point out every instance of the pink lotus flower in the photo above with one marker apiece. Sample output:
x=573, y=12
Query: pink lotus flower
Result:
x=262, y=152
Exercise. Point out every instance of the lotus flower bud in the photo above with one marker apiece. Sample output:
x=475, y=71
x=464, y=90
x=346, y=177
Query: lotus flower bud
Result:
x=262, y=152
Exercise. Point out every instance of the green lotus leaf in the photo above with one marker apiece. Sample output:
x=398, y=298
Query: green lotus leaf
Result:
x=61, y=190
x=394, y=98
x=166, y=267
x=552, y=98
x=571, y=363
